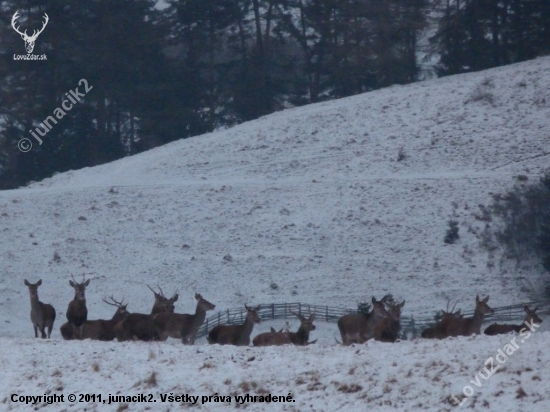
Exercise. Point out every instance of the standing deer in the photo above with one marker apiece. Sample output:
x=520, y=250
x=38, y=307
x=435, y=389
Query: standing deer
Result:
x=530, y=318
x=235, y=334
x=42, y=314
x=77, y=313
x=182, y=326
x=299, y=338
x=359, y=327
x=139, y=326
x=387, y=329
x=97, y=329
x=467, y=326
x=437, y=331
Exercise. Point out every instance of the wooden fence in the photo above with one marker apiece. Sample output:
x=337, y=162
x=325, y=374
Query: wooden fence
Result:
x=411, y=326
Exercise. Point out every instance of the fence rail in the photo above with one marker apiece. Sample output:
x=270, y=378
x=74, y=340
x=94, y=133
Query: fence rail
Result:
x=411, y=326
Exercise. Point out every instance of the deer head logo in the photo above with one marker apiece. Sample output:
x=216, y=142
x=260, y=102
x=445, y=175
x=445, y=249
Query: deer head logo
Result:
x=29, y=40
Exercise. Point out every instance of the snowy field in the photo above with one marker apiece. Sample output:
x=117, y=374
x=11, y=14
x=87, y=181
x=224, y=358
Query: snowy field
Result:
x=306, y=205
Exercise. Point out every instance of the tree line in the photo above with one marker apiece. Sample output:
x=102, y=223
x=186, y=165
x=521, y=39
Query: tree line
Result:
x=162, y=72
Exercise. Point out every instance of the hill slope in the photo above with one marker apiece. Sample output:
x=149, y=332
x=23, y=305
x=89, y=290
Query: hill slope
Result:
x=309, y=204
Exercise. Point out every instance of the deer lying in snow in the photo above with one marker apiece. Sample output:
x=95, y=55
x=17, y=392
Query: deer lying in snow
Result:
x=238, y=335
x=530, y=318
x=140, y=326
x=299, y=338
x=99, y=329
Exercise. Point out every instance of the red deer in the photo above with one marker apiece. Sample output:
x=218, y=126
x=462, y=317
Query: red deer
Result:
x=387, y=329
x=77, y=313
x=359, y=327
x=183, y=326
x=97, y=329
x=436, y=332
x=299, y=338
x=530, y=318
x=139, y=326
x=42, y=314
x=467, y=326
x=235, y=334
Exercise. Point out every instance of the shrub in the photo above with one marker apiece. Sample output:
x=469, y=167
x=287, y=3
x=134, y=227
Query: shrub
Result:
x=523, y=228
x=452, y=233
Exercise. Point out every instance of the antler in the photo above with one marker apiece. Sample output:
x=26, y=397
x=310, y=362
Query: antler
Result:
x=35, y=35
x=35, y=32
x=117, y=304
x=161, y=294
x=302, y=318
x=13, y=20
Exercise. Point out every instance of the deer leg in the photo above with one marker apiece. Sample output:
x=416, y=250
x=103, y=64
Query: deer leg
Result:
x=35, y=331
x=43, y=331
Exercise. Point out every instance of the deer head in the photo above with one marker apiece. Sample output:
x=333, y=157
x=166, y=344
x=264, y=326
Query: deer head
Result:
x=29, y=40
x=79, y=288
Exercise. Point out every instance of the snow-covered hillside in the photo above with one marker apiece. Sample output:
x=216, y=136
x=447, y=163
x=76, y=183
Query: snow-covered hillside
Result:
x=325, y=204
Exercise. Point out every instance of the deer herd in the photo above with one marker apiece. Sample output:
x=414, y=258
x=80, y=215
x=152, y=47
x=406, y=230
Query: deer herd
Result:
x=382, y=323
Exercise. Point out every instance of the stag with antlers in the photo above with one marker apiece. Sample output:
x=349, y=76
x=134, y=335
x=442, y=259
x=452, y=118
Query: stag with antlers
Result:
x=98, y=329
x=140, y=326
x=29, y=40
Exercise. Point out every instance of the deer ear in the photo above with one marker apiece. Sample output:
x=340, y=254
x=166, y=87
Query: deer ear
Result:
x=402, y=304
x=486, y=299
x=373, y=299
x=71, y=283
x=87, y=282
x=477, y=298
x=197, y=296
x=526, y=308
x=27, y=282
x=39, y=282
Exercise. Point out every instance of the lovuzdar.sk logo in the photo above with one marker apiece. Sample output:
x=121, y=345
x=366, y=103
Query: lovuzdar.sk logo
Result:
x=29, y=40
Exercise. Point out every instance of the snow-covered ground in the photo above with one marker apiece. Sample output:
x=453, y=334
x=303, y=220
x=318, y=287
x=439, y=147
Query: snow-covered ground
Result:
x=306, y=205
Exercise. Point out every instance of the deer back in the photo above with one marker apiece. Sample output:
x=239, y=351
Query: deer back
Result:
x=438, y=331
